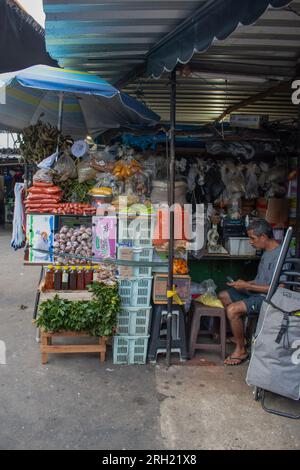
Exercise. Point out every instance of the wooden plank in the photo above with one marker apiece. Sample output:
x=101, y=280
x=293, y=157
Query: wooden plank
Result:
x=70, y=348
x=66, y=295
x=72, y=334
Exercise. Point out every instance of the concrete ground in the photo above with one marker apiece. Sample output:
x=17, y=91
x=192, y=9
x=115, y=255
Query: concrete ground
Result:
x=75, y=403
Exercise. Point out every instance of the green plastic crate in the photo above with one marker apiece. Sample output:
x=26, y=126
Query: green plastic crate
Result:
x=130, y=349
x=135, y=292
x=134, y=321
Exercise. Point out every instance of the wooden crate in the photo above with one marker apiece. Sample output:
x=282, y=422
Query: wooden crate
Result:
x=48, y=348
x=182, y=283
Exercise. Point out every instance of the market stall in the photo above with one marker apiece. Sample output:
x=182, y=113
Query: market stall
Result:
x=100, y=217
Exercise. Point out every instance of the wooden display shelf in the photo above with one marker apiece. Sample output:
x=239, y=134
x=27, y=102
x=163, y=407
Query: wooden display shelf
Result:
x=48, y=348
x=72, y=295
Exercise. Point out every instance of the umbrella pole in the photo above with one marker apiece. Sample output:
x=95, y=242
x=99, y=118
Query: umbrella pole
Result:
x=171, y=204
x=60, y=116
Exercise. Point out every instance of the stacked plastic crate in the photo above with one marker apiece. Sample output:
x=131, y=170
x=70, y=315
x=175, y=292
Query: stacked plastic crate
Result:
x=135, y=286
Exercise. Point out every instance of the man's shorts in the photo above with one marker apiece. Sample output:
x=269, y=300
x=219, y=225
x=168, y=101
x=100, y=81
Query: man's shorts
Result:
x=253, y=302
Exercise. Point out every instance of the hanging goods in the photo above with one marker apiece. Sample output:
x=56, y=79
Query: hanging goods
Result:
x=18, y=236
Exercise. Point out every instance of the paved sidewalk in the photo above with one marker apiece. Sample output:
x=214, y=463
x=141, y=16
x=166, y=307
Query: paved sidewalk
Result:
x=76, y=403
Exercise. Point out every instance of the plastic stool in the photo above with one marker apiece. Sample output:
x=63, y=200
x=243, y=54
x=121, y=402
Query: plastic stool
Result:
x=157, y=343
x=199, y=311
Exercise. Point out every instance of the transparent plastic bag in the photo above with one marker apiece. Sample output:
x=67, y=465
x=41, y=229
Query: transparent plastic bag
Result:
x=43, y=176
x=209, y=296
x=252, y=191
x=85, y=171
x=65, y=168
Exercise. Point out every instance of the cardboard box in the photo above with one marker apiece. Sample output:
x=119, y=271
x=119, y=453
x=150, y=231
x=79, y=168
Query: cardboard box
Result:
x=248, y=121
x=181, y=281
x=278, y=211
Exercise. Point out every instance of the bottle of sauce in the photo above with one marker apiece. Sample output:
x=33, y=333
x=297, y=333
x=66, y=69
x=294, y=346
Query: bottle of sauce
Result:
x=57, y=278
x=88, y=275
x=65, y=278
x=73, y=278
x=49, y=278
x=95, y=273
x=80, y=278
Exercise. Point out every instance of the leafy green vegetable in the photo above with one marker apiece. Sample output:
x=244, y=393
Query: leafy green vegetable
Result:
x=97, y=317
x=77, y=192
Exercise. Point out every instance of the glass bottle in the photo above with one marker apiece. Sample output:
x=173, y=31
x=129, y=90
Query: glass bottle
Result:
x=49, y=278
x=80, y=278
x=88, y=275
x=73, y=278
x=95, y=272
x=65, y=278
x=57, y=278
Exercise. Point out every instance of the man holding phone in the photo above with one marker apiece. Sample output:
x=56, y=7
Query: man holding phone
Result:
x=244, y=297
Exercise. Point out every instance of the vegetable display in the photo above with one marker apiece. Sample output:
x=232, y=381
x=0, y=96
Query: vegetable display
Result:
x=73, y=191
x=97, y=317
x=73, y=241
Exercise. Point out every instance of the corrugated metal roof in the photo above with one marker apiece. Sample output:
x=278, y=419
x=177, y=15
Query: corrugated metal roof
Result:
x=112, y=38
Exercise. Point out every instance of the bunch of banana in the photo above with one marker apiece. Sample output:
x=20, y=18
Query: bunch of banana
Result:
x=40, y=140
x=124, y=170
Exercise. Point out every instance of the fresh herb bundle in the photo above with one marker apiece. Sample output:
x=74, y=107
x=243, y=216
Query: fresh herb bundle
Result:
x=77, y=192
x=97, y=317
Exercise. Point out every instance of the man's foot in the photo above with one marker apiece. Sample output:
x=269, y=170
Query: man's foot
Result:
x=231, y=340
x=236, y=360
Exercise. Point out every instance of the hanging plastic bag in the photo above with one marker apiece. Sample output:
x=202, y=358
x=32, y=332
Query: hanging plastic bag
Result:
x=85, y=172
x=43, y=176
x=251, y=180
x=65, y=169
x=49, y=161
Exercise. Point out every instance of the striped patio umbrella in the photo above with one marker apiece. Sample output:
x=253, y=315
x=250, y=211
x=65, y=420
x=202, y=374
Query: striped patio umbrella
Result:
x=90, y=104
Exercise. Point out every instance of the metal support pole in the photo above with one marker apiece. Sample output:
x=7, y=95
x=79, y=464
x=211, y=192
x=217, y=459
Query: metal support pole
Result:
x=60, y=116
x=171, y=206
x=298, y=190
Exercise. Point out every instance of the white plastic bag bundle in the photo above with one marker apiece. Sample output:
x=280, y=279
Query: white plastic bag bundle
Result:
x=18, y=235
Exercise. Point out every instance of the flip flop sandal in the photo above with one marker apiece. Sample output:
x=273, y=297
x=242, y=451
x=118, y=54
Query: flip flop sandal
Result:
x=241, y=359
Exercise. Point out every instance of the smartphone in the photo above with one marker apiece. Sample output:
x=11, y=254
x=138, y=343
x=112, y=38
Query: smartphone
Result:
x=229, y=279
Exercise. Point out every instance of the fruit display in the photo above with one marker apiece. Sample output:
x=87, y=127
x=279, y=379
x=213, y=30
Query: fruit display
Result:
x=180, y=266
x=39, y=141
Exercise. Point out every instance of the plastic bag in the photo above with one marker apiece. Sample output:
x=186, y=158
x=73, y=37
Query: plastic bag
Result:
x=48, y=162
x=233, y=179
x=85, y=172
x=65, y=168
x=252, y=191
x=209, y=296
x=43, y=176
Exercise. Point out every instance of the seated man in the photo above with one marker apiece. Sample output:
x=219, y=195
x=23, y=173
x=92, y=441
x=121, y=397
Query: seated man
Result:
x=245, y=297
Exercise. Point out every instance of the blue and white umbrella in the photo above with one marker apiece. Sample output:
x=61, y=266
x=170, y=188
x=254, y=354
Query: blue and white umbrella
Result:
x=90, y=104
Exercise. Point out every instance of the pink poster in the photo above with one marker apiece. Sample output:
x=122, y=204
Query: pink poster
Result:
x=104, y=237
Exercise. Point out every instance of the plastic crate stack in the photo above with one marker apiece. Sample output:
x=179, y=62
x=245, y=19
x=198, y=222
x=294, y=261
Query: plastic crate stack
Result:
x=135, y=287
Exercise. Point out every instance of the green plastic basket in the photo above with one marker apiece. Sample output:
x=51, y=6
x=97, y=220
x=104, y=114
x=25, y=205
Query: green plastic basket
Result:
x=134, y=321
x=130, y=349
